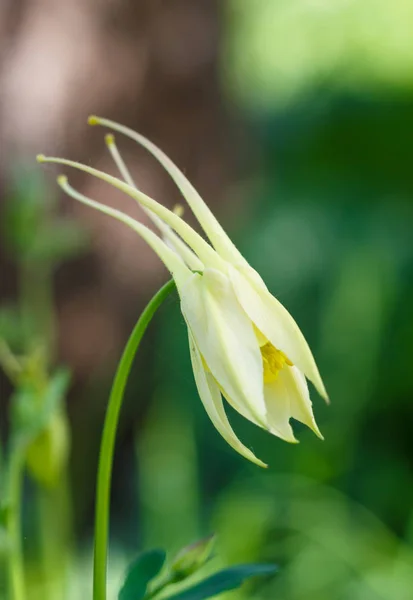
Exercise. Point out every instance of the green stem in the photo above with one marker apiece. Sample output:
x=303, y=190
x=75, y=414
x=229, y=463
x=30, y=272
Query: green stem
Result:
x=108, y=442
x=15, y=558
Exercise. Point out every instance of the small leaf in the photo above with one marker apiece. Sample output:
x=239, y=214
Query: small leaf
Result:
x=223, y=581
x=141, y=571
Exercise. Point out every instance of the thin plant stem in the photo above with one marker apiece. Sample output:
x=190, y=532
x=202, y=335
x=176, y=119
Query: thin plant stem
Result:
x=108, y=442
x=15, y=556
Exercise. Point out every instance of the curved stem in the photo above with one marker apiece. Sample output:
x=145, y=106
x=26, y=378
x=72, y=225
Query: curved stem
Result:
x=15, y=558
x=108, y=442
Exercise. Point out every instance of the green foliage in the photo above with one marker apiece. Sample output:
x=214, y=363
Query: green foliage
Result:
x=223, y=581
x=188, y=562
x=140, y=573
x=279, y=52
x=38, y=436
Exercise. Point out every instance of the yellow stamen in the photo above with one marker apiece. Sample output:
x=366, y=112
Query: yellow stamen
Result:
x=110, y=139
x=273, y=361
x=178, y=209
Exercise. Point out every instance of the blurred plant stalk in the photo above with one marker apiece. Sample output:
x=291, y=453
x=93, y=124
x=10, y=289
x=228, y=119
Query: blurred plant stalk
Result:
x=38, y=437
x=13, y=526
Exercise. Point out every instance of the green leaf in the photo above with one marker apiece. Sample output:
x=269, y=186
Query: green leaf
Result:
x=141, y=571
x=223, y=581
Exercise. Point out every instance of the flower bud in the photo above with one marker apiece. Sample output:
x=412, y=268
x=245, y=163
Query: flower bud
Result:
x=48, y=453
x=192, y=557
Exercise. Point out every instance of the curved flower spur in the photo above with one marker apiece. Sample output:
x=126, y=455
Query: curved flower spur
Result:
x=244, y=344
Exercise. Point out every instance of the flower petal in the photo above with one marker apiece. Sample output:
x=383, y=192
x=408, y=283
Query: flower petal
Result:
x=215, y=232
x=225, y=337
x=300, y=403
x=277, y=400
x=279, y=412
x=211, y=398
x=275, y=322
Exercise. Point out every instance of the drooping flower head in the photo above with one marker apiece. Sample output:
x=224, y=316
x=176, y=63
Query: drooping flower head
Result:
x=244, y=345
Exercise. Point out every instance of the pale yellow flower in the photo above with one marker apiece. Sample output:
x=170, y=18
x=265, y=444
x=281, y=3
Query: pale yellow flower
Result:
x=244, y=344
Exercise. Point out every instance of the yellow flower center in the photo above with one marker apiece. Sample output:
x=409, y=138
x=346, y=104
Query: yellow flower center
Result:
x=273, y=361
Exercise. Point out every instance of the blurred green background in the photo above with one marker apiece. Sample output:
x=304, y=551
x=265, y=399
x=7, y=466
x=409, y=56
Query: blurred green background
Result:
x=293, y=118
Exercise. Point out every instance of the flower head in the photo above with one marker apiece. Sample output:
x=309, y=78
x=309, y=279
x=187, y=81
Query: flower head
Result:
x=244, y=345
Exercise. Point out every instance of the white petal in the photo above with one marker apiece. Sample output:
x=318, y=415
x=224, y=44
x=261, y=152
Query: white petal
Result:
x=225, y=337
x=300, y=403
x=211, y=398
x=216, y=234
x=275, y=322
x=277, y=400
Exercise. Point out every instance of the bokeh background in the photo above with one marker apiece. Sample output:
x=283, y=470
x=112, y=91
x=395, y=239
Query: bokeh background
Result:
x=293, y=118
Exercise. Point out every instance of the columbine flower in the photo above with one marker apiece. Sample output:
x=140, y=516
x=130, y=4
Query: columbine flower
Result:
x=244, y=344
